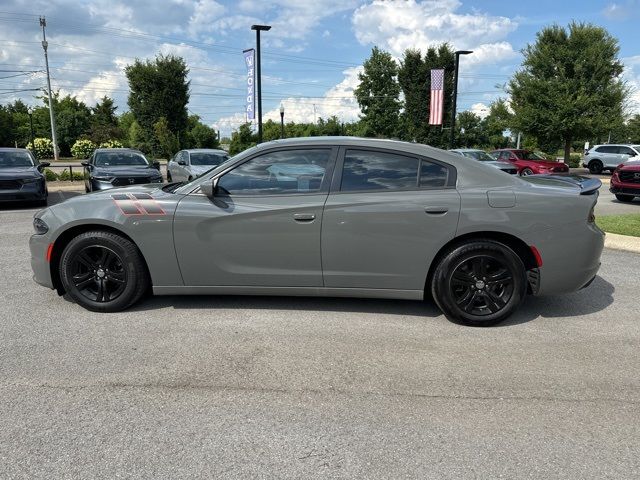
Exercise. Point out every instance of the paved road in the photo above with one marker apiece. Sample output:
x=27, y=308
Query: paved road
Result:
x=315, y=388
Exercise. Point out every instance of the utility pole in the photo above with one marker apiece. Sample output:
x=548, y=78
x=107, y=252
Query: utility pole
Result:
x=281, y=120
x=43, y=24
x=454, y=95
x=30, y=112
x=258, y=29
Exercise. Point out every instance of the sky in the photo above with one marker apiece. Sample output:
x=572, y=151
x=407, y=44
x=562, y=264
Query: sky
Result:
x=311, y=56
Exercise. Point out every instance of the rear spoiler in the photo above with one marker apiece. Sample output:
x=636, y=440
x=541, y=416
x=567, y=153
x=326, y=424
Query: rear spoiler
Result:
x=587, y=185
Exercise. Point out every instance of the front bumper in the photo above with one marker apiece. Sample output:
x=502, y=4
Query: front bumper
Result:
x=624, y=188
x=97, y=185
x=28, y=192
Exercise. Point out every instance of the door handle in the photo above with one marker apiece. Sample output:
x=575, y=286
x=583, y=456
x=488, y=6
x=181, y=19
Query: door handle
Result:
x=436, y=210
x=304, y=217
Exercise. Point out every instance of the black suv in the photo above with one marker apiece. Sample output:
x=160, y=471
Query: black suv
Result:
x=119, y=167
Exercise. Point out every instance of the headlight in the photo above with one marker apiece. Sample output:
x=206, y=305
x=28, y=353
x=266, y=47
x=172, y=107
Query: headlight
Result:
x=39, y=226
x=32, y=180
x=104, y=179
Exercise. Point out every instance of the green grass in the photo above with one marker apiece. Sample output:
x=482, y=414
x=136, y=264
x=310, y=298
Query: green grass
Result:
x=628, y=224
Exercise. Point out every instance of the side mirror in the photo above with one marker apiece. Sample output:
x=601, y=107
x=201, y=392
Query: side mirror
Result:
x=181, y=162
x=43, y=165
x=85, y=163
x=210, y=188
x=156, y=164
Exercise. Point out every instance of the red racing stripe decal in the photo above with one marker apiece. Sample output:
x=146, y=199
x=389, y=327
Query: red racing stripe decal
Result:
x=137, y=204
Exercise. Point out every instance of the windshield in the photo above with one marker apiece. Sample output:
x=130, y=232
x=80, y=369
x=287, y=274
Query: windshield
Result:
x=118, y=159
x=208, y=159
x=479, y=155
x=15, y=159
x=526, y=155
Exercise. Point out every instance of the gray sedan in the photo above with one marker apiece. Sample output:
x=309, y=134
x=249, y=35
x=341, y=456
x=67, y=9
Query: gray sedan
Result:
x=483, y=156
x=329, y=216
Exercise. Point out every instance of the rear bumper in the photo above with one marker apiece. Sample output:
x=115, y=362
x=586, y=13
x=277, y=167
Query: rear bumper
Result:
x=570, y=256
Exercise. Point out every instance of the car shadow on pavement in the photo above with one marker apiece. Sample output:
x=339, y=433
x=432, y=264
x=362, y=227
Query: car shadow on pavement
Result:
x=54, y=198
x=597, y=297
x=321, y=304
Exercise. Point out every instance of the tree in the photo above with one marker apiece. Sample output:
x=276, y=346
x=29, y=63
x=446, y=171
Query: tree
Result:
x=166, y=140
x=104, y=122
x=497, y=122
x=378, y=95
x=73, y=120
x=569, y=85
x=6, y=127
x=242, y=139
x=201, y=135
x=633, y=130
x=159, y=88
x=414, y=77
x=470, y=130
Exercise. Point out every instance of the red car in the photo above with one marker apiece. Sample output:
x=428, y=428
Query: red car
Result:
x=529, y=163
x=625, y=181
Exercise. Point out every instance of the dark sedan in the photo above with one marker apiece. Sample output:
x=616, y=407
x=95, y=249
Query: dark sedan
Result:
x=21, y=178
x=119, y=167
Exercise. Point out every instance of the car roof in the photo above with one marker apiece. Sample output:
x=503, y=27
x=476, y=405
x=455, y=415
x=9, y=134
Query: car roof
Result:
x=466, y=150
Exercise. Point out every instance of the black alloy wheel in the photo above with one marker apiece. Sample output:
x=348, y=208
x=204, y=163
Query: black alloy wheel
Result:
x=103, y=271
x=481, y=285
x=595, y=167
x=98, y=273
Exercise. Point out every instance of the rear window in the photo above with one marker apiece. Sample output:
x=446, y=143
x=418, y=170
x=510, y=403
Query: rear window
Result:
x=208, y=159
x=607, y=149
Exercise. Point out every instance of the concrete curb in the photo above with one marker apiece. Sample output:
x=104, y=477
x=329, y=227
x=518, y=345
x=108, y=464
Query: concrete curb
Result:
x=622, y=242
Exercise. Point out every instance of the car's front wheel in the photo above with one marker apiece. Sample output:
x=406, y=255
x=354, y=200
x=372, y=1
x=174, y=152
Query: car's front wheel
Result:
x=624, y=198
x=103, y=271
x=479, y=283
x=526, y=172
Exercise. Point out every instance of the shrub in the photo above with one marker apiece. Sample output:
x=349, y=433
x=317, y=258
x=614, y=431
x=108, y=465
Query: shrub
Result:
x=83, y=148
x=575, y=160
x=65, y=176
x=43, y=148
x=50, y=175
x=111, y=144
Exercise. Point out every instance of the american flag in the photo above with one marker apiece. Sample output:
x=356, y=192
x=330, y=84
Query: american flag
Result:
x=437, y=97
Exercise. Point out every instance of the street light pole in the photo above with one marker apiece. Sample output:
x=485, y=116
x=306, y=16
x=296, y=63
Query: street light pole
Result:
x=281, y=120
x=45, y=45
x=454, y=95
x=258, y=29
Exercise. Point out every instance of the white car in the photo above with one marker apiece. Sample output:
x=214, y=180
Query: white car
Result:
x=189, y=164
x=608, y=157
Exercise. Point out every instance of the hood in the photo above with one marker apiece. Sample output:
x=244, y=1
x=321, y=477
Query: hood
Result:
x=631, y=165
x=16, y=173
x=126, y=171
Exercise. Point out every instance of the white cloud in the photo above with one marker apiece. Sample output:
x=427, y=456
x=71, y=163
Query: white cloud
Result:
x=204, y=13
x=631, y=76
x=480, y=109
x=396, y=25
x=621, y=11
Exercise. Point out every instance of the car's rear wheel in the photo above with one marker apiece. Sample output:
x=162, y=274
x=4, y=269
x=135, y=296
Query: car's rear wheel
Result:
x=479, y=283
x=103, y=271
x=624, y=198
x=526, y=172
x=595, y=166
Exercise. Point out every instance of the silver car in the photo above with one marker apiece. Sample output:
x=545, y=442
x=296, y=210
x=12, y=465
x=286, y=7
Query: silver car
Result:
x=608, y=157
x=483, y=156
x=189, y=164
x=329, y=216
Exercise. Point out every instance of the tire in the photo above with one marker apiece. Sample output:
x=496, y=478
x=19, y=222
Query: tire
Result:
x=525, y=172
x=103, y=271
x=624, y=198
x=479, y=283
x=595, y=167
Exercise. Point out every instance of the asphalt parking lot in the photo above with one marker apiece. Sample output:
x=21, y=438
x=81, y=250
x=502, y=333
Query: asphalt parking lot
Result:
x=248, y=387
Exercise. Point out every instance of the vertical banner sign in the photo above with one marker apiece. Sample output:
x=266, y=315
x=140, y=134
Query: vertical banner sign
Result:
x=436, y=109
x=249, y=60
